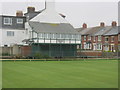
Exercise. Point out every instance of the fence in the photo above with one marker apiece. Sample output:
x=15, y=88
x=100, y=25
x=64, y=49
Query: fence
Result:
x=63, y=51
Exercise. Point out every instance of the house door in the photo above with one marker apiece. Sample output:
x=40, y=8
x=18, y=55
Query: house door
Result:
x=106, y=48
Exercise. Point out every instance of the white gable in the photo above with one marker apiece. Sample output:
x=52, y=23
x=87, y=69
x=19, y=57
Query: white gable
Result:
x=49, y=15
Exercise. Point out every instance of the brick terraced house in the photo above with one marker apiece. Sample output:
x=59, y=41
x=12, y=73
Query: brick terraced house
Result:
x=99, y=39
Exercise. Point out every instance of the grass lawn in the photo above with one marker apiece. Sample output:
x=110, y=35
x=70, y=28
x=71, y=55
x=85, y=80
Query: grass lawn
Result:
x=60, y=74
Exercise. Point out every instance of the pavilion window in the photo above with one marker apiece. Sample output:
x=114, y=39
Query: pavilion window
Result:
x=45, y=35
x=41, y=35
x=58, y=35
x=62, y=36
x=73, y=36
x=67, y=36
x=53, y=36
x=78, y=37
x=49, y=35
x=70, y=36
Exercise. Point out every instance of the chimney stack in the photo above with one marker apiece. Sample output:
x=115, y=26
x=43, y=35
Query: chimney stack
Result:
x=84, y=25
x=19, y=13
x=102, y=24
x=31, y=9
x=114, y=23
x=49, y=5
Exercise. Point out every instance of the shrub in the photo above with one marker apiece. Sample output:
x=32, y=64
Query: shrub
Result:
x=5, y=54
x=40, y=56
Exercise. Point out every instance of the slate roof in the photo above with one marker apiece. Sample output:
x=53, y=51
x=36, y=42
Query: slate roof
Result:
x=88, y=31
x=52, y=28
x=93, y=30
x=84, y=31
x=103, y=30
x=113, y=31
x=78, y=29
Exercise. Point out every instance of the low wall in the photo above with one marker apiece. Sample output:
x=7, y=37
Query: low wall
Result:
x=89, y=54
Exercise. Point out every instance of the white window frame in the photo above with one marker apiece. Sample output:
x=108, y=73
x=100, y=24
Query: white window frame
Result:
x=62, y=36
x=67, y=36
x=85, y=38
x=119, y=37
x=41, y=35
x=99, y=46
x=89, y=37
x=9, y=21
x=19, y=21
x=10, y=33
x=112, y=38
x=94, y=38
x=53, y=36
x=99, y=38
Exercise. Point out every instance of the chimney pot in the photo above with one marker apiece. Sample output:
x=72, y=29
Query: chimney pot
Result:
x=84, y=25
x=102, y=24
x=114, y=23
x=31, y=9
x=19, y=13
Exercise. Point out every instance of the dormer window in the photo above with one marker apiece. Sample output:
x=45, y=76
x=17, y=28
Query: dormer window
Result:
x=7, y=21
x=19, y=21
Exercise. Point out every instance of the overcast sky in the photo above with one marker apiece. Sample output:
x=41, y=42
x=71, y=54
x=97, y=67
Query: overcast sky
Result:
x=77, y=11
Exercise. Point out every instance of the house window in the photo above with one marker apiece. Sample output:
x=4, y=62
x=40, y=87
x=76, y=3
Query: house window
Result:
x=89, y=37
x=88, y=46
x=99, y=46
x=8, y=21
x=19, y=21
x=10, y=33
x=84, y=38
x=94, y=38
x=112, y=39
x=99, y=38
x=106, y=39
x=85, y=46
x=119, y=37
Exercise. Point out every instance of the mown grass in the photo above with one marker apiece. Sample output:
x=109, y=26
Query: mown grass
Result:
x=60, y=74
